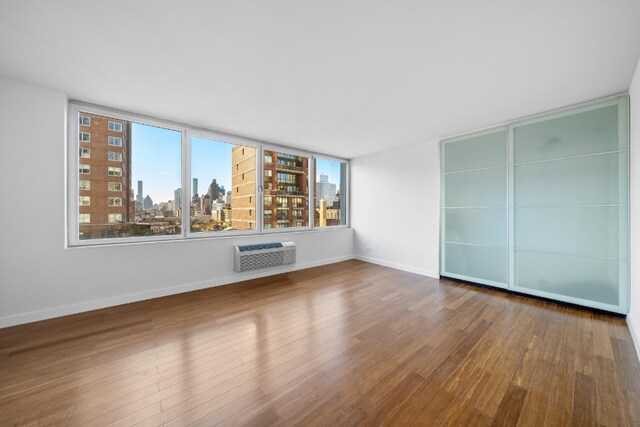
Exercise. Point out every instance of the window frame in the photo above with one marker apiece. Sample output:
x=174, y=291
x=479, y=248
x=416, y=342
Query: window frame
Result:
x=115, y=123
x=75, y=108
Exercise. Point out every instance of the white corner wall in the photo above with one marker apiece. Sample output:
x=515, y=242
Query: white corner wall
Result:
x=633, y=319
x=395, y=207
x=41, y=279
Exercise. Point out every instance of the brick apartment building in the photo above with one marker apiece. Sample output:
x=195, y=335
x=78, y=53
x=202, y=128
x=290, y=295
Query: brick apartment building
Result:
x=106, y=196
x=243, y=192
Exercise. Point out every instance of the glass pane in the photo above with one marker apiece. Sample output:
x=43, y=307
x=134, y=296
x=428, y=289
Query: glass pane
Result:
x=589, y=132
x=330, y=195
x=483, y=188
x=286, y=190
x=476, y=152
x=477, y=226
x=223, y=180
x=477, y=262
x=578, y=277
x=147, y=155
x=592, y=231
x=594, y=180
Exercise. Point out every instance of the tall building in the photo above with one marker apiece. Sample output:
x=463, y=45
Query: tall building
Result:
x=243, y=191
x=194, y=191
x=325, y=190
x=148, y=203
x=177, y=199
x=214, y=190
x=105, y=176
x=286, y=190
x=139, y=198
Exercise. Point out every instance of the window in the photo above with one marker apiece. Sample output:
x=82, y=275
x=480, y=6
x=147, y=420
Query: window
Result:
x=137, y=187
x=223, y=165
x=115, y=126
x=293, y=182
x=331, y=180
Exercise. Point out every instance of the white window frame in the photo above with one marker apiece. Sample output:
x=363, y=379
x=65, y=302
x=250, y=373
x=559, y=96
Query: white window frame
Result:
x=114, y=182
x=115, y=154
x=73, y=236
x=114, y=138
x=81, y=120
x=114, y=125
x=109, y=168
x=113, y=222
x=84, y=197
x=84, y=189
x=86, y=215
x=84, y=173
x=83, y=150
x=81, y=135
x=343, y=209
x=114, y=199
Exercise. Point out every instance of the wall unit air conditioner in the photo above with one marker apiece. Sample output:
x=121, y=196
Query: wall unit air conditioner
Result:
x=265, y=255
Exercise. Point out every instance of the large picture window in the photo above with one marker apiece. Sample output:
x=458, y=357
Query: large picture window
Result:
x=141, y=188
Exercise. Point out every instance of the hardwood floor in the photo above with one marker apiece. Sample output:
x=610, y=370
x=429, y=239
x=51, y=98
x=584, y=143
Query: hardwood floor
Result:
x=345, y=344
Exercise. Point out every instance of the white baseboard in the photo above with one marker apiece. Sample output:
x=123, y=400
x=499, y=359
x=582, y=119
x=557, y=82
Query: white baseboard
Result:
x=410, y=269
x=49, y=313
x=635, y=337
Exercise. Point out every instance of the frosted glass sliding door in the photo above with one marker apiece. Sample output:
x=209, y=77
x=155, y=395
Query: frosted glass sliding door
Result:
x=569, y=194
x=474, y=241
x=541, y=206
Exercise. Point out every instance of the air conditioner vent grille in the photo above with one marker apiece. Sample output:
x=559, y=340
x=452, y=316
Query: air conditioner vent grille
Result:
x=267, y=255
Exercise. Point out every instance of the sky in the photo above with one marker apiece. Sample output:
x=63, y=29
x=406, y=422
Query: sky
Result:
x=156, y=161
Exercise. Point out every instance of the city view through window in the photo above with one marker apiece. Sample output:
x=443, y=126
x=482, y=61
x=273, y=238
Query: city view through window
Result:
x=130, y=184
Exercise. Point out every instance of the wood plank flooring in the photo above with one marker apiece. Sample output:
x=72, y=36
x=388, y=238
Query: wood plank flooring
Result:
x=344, y=344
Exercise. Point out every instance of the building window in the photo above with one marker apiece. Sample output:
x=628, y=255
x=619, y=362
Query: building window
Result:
x=84, y=218
x=331, y=179
x=223, y=165
x=292, y=181
x=268, y=173
x=85, y=169
x=115, y=201
x=114, y=218
x=114, y=157
x=115, y=126
x=268, y=200
x=115, y=186
x=85, y=200
x=114, y=171
x=85, y=184
x=85, y=120
x=268, y=158
x=85, y=153
x=84, y=137
x=115, y=141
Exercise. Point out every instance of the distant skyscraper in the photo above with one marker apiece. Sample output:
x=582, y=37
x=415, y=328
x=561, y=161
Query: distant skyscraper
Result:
x=148, y=203
x=177, y=199
x=214, y=190
x=325, y=190
x=139, y=198
x=195, y=187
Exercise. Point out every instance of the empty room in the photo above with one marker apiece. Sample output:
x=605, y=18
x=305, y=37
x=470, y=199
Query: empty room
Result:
x=330, y=213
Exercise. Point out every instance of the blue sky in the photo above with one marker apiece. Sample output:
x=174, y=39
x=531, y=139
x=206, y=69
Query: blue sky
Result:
x=156, y=161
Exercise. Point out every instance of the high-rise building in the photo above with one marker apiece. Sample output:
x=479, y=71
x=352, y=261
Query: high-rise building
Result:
x=325, y=190
x=139, y=198
x=105, y=176
x=148, y=203
x=195, y=187
x=177, y=199
x=214, y=190
x=243, y=191
x=286, y=190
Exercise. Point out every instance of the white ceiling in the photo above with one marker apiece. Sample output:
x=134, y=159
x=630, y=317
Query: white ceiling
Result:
x=342, y=77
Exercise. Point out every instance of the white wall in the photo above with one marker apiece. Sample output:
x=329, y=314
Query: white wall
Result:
x=39, y=278
x=395, y=207
x=633, y=319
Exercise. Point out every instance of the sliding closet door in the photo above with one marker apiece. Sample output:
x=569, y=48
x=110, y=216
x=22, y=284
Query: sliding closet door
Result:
x=474, y=243
x=569, y=229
